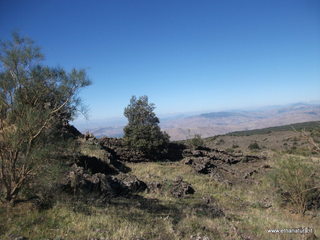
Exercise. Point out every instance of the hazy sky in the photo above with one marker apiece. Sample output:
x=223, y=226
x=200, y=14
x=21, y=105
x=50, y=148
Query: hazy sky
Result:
x=185, y=55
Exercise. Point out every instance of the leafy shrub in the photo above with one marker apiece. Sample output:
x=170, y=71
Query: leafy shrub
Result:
x=254, y=146
x=196, y=141
x=296, y=183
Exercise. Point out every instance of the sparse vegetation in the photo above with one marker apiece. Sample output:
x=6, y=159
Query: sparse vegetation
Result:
x=296, y=182
x=254, y=146
x=196, y=141
x=230, y=150
x=220, y=141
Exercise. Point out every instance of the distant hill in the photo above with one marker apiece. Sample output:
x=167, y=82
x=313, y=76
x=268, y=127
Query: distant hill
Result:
x=217, y=123
x=221, y=114
x=107, y=131
x=291, y=127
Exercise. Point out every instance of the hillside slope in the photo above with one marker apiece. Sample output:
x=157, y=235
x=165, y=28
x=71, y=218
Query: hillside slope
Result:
x=220, y=190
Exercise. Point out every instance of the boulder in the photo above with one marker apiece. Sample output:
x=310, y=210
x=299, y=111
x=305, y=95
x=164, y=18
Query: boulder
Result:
x=203, y=165
x=126, y=183
x=79, y=180
x=181, y=188
x=200, y=164
x=154, y=187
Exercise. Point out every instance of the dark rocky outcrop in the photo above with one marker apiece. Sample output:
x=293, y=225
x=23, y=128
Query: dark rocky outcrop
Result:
x=223, y=166
x=154, y=187
x=96, y=165
x=99, y=167
x=175, y=151
x=128, y=184
x=97, y=171
x=80, y=181
x=121, y=152
x=181, y=188
x=200, y=164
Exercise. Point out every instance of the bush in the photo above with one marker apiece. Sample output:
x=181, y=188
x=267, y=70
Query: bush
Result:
x=295, y=182
x=143, y=132
x=196, y=141
x=254, y=146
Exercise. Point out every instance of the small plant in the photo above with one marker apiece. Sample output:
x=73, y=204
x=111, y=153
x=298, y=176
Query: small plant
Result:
x=254, y=146
x=235, y=146
x=296, y=183
x=220, y=142
x=230, y=150
x=196, y=141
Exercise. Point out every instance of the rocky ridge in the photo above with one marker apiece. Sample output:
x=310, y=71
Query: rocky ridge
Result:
x=223, y=166
x=100, y=168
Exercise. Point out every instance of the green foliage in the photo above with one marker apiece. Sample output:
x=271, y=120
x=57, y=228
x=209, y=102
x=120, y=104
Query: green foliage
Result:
x=196, y=141
x=143, y=132
x=254, y=146
x=36, y=102
x=296, y=183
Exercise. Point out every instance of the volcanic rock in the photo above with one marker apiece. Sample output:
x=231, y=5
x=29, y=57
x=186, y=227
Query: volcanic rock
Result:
x=181, y=188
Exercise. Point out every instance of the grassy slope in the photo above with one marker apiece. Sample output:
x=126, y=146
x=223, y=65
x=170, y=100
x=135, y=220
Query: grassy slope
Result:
x=282, y=139
x=160, y=216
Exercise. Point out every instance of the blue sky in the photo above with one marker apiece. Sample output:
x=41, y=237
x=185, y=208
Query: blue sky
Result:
x=187, y=56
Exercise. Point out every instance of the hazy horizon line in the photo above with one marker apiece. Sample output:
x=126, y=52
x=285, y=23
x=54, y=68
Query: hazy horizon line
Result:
x=118, y=121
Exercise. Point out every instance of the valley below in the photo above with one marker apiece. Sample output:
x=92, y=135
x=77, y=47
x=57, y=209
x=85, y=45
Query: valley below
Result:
x=216, y=123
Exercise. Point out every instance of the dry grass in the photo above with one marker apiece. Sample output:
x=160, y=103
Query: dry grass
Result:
x=160, y=216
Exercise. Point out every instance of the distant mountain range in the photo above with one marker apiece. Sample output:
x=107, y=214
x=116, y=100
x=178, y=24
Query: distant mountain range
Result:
x=215, y=123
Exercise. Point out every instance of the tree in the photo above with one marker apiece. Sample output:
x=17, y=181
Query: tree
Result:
x=143, y=132
x=35, y=102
